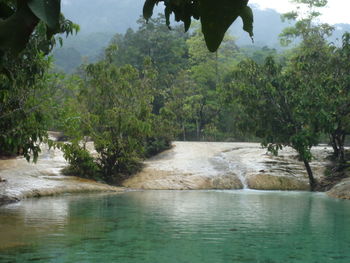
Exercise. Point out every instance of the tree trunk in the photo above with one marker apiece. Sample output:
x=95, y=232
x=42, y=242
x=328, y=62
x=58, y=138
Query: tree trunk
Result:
x=337, y=142
x=198, y=130
x=334, y=145
x=311, y=176
x=341, y=153
x=183, y=132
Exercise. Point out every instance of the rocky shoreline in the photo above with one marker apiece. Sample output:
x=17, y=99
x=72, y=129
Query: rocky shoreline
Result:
x=211, y=165
x=188, y=165
x=23, y=180
x=71, y=185
x=206, y=165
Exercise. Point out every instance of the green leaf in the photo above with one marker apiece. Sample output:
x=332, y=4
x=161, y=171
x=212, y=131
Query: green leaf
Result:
x=16, y=30
x=5, y=11
x=248, y=19
x=47, y=10
x=148, y=8
x=217, y=17
x=6, y=72
x=187, y=23
x=167, y=13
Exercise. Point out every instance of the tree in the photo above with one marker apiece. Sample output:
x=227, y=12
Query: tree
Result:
x=338, y=99
x=183, y=103
x=166, y=49
x=26, y=30
x=305, y=28
x=294, y=104
x=25, y=96
x=19, y=20
x=115, y=111
x=207, y=71
x=277, y=108
x=23, y=103
x=326, y=81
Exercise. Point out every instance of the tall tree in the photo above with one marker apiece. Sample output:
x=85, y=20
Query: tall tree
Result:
x=320, y=68
x=337, y=98
x=276, y=109
x=293, y=105
x=207, y=71
x=113, y=107
x=166, y=48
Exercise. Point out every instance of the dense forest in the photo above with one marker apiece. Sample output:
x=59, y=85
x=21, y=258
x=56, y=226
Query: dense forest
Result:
x=152, y=85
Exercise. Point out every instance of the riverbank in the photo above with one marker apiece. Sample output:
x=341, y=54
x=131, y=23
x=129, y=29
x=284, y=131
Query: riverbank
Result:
x=213, y=165
x=339, y=180
x=26, y=180
x=186, y=166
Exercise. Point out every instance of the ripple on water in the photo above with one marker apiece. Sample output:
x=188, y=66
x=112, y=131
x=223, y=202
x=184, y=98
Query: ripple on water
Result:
x=175, y=226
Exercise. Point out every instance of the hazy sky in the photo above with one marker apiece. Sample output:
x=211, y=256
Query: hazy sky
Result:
x=337, y=11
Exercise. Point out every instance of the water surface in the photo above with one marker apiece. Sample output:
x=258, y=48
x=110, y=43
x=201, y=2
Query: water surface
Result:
x=178, y=226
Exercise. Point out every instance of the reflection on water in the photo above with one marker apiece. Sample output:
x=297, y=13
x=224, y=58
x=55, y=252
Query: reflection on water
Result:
x=174, y=226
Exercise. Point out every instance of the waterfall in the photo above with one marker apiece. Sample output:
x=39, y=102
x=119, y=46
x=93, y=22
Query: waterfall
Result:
x=233, y=165
x=240, y=172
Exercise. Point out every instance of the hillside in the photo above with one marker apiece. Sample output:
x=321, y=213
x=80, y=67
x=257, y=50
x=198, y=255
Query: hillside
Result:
x=99, y=22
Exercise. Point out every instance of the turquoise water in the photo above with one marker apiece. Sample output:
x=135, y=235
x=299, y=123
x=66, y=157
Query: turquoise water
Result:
x=175, y=226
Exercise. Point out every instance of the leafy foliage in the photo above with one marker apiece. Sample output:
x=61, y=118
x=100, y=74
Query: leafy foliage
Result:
x=22, y=17
x=339, y=99
x=305, y=27
x=115, y=111
x=166, y=49
x=216, y=17
x=292, y=104
x=24, y=92
x=47, y=11
x=277, y=109
x=80, y=160
x=188, y=76
x=154, y=85
x=19, y=18
x=24, y=99
x=325, y=81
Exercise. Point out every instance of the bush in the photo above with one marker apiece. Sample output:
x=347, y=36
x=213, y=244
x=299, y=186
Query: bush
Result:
x=163, y=132
x=156, y=145
x=81, y=163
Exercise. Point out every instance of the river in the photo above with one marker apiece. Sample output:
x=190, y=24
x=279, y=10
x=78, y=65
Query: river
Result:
x=177, y=226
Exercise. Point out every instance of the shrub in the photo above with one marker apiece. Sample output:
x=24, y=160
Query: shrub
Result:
x=81, y=163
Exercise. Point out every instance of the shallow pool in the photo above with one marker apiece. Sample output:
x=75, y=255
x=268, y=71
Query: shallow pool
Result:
x=178, y=226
